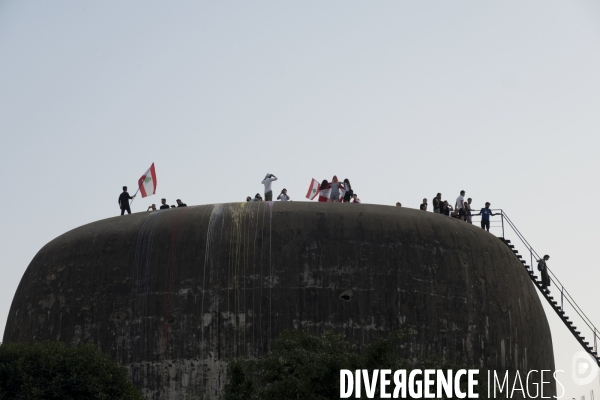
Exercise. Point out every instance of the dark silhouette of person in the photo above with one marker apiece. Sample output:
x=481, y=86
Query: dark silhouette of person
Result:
x=445, y=208
x=486, y=213
x=543, y=268
x=349, y=191
x=180, y=203
x=163, y=204
x=124, y=201
x=437, y=203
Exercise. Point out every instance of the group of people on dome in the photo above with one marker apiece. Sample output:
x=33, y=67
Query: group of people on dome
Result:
x=462, y=209
x=125, y=206
x=328, y=192
x=338, y=192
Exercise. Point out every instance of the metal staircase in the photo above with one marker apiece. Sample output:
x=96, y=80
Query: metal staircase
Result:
x=566, y=301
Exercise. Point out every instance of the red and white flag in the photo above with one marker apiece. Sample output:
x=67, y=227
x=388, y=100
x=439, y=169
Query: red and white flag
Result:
x=147, y=182
x=313, y=190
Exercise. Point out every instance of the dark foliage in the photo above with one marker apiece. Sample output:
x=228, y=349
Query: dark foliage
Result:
x=51, y=370
x=307, y=367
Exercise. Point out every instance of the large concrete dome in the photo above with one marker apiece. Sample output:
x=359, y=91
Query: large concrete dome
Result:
x=173, y=294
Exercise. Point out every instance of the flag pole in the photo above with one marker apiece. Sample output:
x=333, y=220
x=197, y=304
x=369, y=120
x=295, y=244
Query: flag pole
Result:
x=134, y=196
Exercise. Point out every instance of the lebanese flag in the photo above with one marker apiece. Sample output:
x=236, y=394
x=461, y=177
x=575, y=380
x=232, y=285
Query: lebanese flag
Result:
x=147, y=182
x=325, y=193
x=313, y=189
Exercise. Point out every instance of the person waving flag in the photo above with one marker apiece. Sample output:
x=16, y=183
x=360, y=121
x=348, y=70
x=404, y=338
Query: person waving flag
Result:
x=147, y=183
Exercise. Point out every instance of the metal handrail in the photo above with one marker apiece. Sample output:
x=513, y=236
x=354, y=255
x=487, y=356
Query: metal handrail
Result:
x=565, y=295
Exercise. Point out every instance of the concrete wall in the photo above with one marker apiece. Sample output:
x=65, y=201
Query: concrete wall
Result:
x=173, y=294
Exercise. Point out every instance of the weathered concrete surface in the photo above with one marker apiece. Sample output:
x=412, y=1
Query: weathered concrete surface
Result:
x=172, y=294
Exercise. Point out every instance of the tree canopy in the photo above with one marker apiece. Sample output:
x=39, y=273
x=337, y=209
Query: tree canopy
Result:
x=303, y=366
x=52, y=370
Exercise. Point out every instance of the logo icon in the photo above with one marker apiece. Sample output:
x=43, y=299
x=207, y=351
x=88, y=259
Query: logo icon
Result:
x=584, y=368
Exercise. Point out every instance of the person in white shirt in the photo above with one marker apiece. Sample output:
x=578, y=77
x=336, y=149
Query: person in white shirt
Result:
x=283, y=196
x=355, y=199
x=267, y=182
x=460, y=206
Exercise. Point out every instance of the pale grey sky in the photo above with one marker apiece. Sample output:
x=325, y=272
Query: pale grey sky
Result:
x=404, y=98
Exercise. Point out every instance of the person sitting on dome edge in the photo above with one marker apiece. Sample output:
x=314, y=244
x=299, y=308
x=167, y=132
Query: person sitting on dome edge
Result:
x=180, y=203
x=152, y=208
x=283, y=196
x=355, y=199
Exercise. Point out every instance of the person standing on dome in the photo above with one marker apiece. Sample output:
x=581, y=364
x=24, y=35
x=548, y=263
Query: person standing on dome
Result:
x=324, y=191
x=486, y=213
x=468, y=210
x=267, y=182
x=437, y=203
x=349, y=191
x=336, y=187
x=124, y=201
x=460, y=207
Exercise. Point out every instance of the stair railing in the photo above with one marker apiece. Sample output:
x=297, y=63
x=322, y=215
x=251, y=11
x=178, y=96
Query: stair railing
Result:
x=564, y=294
